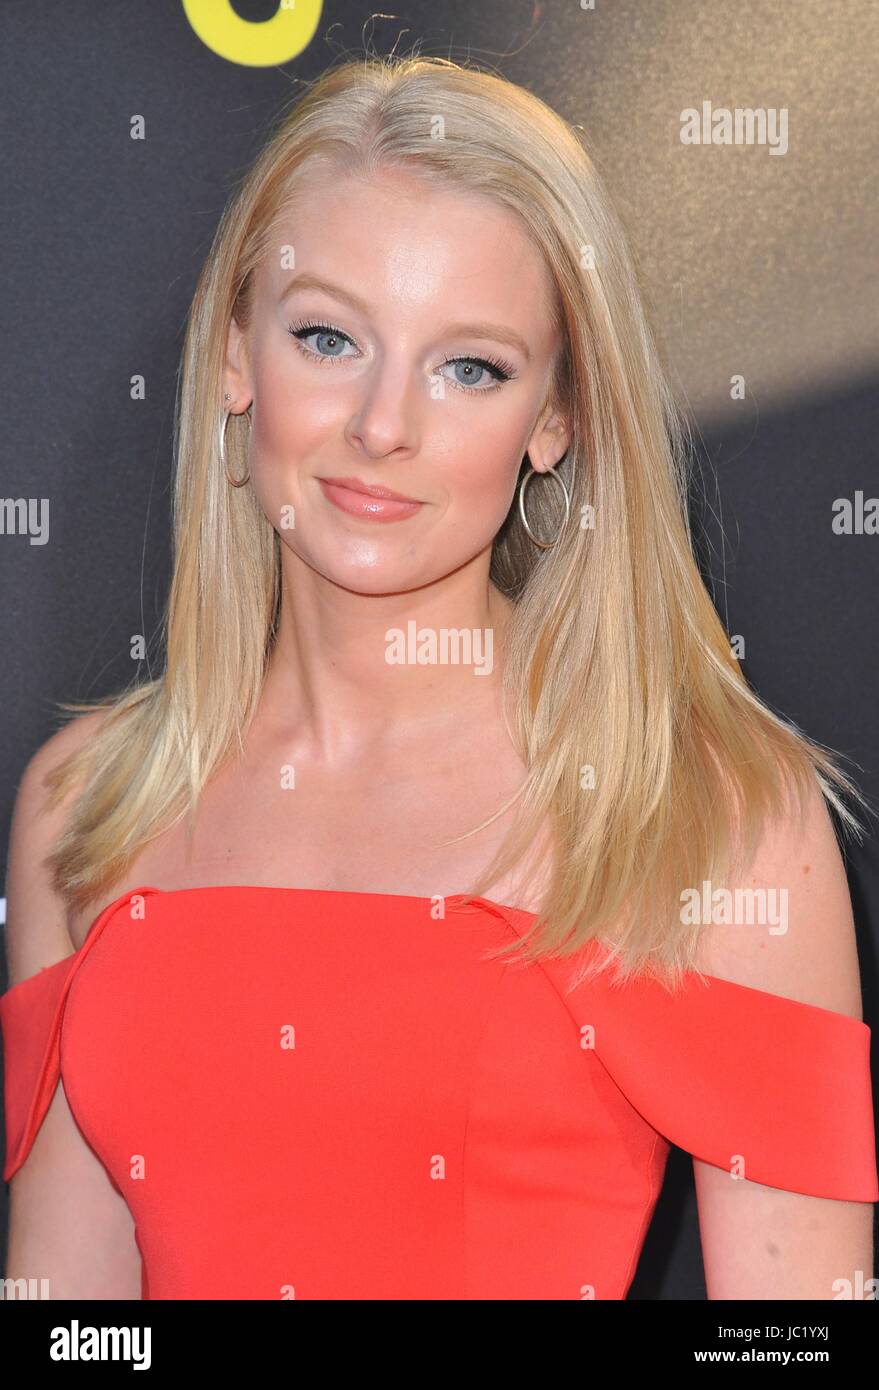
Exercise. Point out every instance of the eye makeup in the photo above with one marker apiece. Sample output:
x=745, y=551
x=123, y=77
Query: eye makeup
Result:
x=500, y=370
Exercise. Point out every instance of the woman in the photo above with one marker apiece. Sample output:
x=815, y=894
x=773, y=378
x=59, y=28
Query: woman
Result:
x=435, y=632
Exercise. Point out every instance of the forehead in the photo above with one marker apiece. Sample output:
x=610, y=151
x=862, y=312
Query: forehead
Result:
x=410, y=247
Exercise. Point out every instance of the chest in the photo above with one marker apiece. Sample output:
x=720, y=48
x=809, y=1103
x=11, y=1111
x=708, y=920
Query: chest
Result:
x=379, y=827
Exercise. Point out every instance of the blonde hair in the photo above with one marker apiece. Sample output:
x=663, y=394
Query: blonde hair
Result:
x=616, y=658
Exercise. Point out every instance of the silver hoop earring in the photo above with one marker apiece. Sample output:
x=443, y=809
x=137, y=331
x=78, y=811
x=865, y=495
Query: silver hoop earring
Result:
x=224, y=420
x=545, y=545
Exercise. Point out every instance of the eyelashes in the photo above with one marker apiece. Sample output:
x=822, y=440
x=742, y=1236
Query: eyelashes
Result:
x=501, y=371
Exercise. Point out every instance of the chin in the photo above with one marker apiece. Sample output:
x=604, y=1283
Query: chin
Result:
x=369, y=576
x=378, y=582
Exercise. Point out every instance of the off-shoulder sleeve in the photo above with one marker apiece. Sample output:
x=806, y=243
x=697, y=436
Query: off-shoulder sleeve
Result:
x=769, y=1088
x=30, y=1017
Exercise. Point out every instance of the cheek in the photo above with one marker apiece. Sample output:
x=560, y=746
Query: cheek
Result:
x=294, y=419
x=483, y=457
x=293, y=408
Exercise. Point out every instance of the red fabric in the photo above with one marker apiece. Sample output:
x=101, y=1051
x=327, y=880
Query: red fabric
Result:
x=319, y=1094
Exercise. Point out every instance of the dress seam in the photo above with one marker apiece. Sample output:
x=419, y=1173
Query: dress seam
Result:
x=653, y=1191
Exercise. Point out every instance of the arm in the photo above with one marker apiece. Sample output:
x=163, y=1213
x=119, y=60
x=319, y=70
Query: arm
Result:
x=762, y=1242
x=67, y=1222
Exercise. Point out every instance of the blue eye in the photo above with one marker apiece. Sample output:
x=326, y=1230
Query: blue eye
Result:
x=301, y=331
x=499, y=370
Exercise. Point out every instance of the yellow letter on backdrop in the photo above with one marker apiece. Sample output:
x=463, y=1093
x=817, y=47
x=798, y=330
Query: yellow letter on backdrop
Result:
x=253, y=45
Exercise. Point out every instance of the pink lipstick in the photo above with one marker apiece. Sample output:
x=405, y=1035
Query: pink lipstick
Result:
x=368, y=500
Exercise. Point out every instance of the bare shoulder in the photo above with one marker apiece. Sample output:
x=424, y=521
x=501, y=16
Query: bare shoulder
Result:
x=37, y=932
x=804, y=948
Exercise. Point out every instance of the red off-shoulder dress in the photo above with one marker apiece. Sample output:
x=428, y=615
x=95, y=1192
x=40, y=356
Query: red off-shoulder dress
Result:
x=333, y=1095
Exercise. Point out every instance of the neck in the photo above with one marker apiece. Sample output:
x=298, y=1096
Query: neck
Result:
x=347, y=669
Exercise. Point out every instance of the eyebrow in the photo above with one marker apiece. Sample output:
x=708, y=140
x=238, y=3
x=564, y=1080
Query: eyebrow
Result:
x=308, y=281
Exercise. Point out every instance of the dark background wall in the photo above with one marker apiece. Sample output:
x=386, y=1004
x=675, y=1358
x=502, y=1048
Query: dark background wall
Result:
x=755, y=265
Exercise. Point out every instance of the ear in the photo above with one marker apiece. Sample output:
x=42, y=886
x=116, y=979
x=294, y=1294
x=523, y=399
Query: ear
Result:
x=550, y=440
x=236, y=371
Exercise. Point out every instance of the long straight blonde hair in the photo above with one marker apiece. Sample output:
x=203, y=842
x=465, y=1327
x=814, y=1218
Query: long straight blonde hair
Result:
x=647, y=753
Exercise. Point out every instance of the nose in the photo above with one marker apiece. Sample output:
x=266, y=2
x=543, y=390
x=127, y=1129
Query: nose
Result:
x=385, y=420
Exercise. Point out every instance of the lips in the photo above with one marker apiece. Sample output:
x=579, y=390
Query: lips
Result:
x=370, y=489
x=367, y=501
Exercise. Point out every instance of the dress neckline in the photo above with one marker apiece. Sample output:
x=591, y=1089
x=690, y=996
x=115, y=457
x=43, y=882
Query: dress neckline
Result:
x=302, y=892
x=110, y=908
x=730, y=988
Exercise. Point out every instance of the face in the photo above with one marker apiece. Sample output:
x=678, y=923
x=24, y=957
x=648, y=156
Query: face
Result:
x=420, y=364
